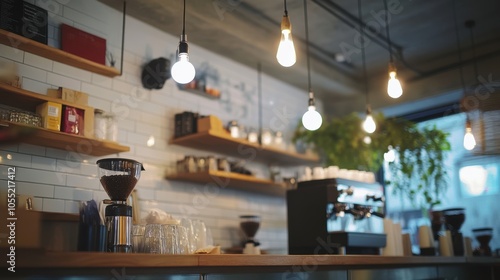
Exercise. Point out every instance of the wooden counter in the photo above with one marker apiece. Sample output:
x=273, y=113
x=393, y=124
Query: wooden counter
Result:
x=83, y=263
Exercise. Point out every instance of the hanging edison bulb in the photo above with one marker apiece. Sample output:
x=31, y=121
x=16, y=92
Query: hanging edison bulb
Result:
x=183, y=71
x=369, y=124
x=394, y=88
x=311, y=119
x=469, y=141
x=286, y=50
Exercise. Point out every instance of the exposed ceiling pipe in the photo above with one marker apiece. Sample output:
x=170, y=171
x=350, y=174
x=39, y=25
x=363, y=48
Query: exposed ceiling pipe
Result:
x=453, y=65
x=353, y=21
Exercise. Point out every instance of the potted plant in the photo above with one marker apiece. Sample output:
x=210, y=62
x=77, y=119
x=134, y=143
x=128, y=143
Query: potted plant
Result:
x=418, y=171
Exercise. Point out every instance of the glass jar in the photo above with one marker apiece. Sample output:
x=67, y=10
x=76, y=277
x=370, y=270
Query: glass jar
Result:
x=266, y=138
x=112, y=128
x=253, y=136
x=278, y=140
x=212, y=163
x=190, y=164
x=234, y=129
x=100, y=124
x=201, y=164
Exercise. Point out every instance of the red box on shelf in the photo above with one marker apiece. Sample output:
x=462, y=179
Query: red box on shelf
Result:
x=83, y=44
x=72, y=120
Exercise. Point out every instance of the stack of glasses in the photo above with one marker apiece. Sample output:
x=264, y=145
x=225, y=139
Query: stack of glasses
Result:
x=184, y=237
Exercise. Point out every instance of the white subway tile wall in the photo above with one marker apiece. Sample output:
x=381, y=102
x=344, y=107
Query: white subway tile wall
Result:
x=60, y=179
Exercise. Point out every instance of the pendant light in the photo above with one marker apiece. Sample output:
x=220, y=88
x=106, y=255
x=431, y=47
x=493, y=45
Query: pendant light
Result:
x=286, y=50
x=469, y=141
x=394, y=88
x=311, y=119
x=369, y=124
x=183, y=71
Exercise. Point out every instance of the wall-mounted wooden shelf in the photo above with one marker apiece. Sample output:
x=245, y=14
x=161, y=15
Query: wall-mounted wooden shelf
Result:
x=27, y=100
x=232, y=181
x=198, y=92
x=223, y=143
x=64, y=141
x=25, y=44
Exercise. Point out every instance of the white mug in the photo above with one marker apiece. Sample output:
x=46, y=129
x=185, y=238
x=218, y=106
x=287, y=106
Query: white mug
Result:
x=318, y=173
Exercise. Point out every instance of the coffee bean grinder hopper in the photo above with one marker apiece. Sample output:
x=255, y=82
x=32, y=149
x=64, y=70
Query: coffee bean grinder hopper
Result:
x=118, y=177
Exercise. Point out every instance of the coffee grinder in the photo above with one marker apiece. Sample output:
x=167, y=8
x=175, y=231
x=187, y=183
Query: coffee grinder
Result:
x=118, y=177
x=250, y=224
x=454, y=219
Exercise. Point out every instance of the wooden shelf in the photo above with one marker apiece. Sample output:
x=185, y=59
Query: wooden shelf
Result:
x=64, y=141
x=27, y=100
x=232, y=180
x=25, y=44
x=199, y=92
x=223, y=143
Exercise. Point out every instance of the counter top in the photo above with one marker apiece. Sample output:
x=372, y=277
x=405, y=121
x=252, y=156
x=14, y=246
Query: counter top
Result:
x=39, y=259
x=31, y=264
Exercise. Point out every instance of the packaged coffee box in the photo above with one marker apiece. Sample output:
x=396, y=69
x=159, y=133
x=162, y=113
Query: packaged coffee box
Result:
x=51, y=115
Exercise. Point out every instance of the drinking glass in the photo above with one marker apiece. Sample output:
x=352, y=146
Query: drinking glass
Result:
x=200, y=234
x=188, y=226
x=184, y=244
x=171, y=239
x=138, y=238
x=154, y=239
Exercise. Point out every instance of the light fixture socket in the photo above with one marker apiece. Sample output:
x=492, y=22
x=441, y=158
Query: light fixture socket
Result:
x=285, y=23
x=392, y=67
x=311, y=98
x=368, y=109
x=183, y=46
x=468, y=124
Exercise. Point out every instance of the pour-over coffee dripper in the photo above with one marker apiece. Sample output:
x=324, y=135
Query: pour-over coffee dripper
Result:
x=483, y=236
x=118, y=177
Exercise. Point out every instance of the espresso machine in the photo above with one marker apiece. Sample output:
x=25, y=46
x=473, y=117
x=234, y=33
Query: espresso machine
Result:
x=335, y=216
x=118, y=177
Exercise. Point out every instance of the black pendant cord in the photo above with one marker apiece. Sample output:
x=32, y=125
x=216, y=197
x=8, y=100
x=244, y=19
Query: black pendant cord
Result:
x=470, y=24
x=307, y=48
x=363, y=56
x=387, y=30
x=184, y=21
x=286, y=11
x=123, y=36
x=259, y=84
x=459, y=49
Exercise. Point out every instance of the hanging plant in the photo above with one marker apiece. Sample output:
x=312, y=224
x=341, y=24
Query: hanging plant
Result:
x=418, y=171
